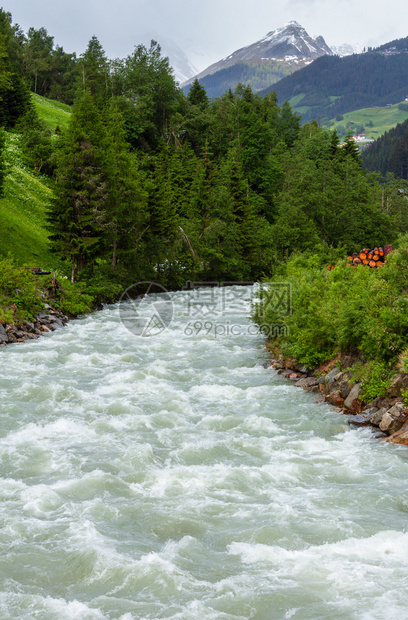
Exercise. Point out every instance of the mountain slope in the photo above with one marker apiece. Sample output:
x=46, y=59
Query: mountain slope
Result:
x=390, y=152
x=26, y=196
x=332, y=85
x=255, y=73
x=288, y=48
x=372, y=122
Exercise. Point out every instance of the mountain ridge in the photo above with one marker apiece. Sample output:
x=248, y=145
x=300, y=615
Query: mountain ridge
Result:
x=289, y=42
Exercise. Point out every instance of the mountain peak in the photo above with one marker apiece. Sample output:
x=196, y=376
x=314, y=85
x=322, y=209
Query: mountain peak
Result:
x=290, y=41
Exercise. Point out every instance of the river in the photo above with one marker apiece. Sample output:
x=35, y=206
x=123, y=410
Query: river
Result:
x=175, y=475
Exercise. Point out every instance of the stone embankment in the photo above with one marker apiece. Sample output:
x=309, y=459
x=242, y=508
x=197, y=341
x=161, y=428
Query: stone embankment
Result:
x=47, y=321
x=335, y=386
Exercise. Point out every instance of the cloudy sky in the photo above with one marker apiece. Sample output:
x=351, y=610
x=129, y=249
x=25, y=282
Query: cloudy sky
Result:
x=207, y=30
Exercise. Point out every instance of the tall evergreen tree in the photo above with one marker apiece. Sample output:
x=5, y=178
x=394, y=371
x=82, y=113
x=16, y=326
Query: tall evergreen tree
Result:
x=197, y=95
x=124, y=213
x=80, y=192
x=36, y=144
x=95, y=74
x=146, y=83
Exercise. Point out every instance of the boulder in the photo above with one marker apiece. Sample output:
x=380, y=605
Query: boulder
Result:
x=361, y=419
x=399, y=382
x=377, y=416
x=401, y=436
x=332, y=374
x=3, y=335
x=344, y=389
x=305, y=370
x=353, y=395
x=394, y=419
x=335, y=399
x=293, y=376
x=356, y=406
x=306, y=382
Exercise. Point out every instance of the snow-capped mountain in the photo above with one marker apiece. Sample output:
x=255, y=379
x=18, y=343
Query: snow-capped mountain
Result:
x=289, y=42
x=345, y=49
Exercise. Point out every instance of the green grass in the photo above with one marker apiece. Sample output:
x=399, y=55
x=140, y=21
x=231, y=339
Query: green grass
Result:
x=383, y=119
x=23, y=206
x=23, y=231
x=54, y=113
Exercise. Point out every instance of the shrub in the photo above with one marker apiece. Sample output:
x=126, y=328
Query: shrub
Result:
x=343, y=310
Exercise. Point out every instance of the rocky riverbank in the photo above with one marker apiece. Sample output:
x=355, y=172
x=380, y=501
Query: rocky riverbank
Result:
x=47, y=321
x=333, y=384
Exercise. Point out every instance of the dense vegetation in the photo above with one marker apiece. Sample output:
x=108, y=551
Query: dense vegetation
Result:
x=347, y=310
x=140, y=182
x=389, y=154
x=332, y=85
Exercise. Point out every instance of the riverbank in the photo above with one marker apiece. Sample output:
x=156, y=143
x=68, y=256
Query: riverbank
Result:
x=45, y=321
x=333, y=383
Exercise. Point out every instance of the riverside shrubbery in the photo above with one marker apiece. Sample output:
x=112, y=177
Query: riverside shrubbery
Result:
x=23, y=294
x=346, y=310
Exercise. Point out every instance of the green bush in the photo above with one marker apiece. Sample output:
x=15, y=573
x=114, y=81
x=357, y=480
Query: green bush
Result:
x=20, y=297
x=375, y=379
x=344, y=310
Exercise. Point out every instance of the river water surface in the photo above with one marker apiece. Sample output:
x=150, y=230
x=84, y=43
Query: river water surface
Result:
x=177, y=476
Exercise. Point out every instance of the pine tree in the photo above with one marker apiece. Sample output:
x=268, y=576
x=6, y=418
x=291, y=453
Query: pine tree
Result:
x=125, y=212
x=95, y=76
x=36, y=145
x=197, y=95
x=80, y=193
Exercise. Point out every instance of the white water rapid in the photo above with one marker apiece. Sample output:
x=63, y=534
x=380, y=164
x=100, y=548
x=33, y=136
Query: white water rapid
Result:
x=177, y=476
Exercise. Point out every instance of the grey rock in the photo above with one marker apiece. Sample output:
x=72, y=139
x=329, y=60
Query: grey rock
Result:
x=393, y=419
x=348, y=361
x=398, y=383
x=344, y=389
x=377, y=416
x=361, y=419
x=306, y=382
x=3, y=335
x=305, y=370
x=330, y=375
x=370, y=411
x=354, y=393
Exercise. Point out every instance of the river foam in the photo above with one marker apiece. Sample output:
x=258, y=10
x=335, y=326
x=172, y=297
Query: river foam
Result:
x=178, y=476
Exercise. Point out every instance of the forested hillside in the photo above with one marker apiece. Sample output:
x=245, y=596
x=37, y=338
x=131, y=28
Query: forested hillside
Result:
x=145, y=183
x=332, y=85
x=389, y=154
x=258, y=74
